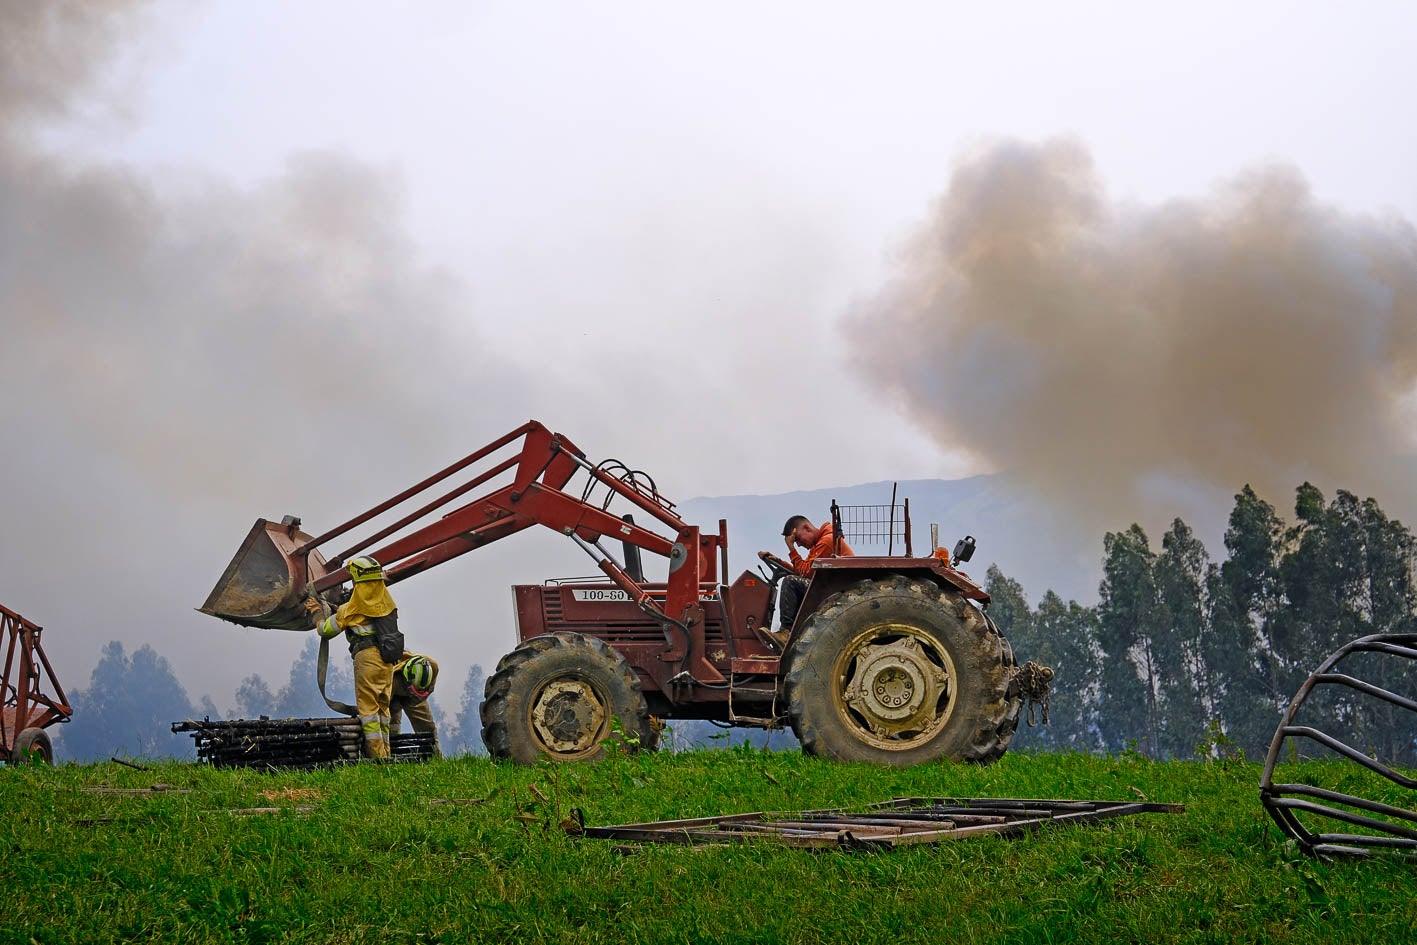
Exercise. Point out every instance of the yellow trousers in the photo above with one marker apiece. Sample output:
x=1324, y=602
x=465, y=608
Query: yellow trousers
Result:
x=373, y=684
x=420, y=716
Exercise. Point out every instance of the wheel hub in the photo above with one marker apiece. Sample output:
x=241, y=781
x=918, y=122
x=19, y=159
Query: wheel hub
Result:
x=569, y=716
x=895, y=689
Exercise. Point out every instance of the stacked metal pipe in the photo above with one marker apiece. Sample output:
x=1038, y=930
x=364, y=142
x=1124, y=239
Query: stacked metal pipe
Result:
x=290, y=743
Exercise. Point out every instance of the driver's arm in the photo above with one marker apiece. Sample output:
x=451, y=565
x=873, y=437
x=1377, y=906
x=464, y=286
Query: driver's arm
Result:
x=802, y=566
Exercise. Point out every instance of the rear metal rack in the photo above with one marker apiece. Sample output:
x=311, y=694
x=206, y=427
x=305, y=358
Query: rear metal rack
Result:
x=1295, y=807
x=873, y=524
x=900, y=822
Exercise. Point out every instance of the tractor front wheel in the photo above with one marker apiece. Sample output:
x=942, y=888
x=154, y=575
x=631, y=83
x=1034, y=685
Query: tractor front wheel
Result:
x=32, y=747
x=561, y=696
x=901, y=672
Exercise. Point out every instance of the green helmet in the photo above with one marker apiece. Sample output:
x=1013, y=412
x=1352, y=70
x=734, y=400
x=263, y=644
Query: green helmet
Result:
x=419, y=675
x=365, y=568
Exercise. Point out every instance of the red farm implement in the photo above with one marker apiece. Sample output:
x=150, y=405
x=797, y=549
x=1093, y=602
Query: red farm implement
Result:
x=28, y=710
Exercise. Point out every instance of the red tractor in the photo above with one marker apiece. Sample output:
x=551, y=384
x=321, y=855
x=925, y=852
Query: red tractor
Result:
x=28, y=710
x=891, y=659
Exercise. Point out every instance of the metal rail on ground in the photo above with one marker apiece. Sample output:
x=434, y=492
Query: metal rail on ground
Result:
x=899, y=822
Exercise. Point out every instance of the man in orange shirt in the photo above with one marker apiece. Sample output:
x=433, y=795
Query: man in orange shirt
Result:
x=820, y=542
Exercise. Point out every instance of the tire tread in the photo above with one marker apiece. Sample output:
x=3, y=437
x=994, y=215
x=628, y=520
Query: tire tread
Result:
x=591, y=653
x=997, y=711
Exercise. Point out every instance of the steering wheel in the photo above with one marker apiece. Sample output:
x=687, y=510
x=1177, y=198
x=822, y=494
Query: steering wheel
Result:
x=778, y=568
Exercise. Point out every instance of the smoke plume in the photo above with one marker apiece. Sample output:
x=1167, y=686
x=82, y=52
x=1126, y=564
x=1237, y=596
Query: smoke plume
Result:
x=1110, y=354
x=186, y=326
x=181, y=355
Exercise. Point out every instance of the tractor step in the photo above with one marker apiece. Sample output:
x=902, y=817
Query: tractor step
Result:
x=749, y=721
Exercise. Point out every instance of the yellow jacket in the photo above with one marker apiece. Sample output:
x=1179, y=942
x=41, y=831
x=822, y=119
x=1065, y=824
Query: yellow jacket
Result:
x=370, y=599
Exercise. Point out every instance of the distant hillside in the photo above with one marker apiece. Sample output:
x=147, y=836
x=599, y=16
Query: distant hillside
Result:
x=1012, y=530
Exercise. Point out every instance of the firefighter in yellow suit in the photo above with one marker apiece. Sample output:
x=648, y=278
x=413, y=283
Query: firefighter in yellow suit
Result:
x=359, y=617
x=414, y=678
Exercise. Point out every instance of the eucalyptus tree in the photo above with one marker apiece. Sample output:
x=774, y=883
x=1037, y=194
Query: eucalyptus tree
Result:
x=1182, y=643
x=127, y=709
x=1245, y=596
x=1129, y=709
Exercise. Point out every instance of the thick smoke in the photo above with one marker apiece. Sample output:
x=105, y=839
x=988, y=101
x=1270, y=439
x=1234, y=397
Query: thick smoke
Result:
x=187, y=326
x=48, y=51
x=181, y=356
x=1110, y=354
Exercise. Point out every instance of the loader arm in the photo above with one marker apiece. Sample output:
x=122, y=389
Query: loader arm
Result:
x=272, y=573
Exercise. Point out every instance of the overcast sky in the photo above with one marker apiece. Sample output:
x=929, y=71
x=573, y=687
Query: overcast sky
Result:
x=259, y=258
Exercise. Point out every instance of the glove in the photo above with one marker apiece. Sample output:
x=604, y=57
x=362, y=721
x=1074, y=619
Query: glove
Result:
x=317, y=609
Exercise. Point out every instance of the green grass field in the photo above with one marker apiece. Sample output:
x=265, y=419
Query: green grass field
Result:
x=468, y=851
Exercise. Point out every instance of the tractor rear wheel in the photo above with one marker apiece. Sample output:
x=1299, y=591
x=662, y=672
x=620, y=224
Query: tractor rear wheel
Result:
x=901, y=672
x=32, y=747
x=561, y=696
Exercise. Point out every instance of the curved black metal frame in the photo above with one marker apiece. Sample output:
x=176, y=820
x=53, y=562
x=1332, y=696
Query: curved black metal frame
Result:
x=1285, y=801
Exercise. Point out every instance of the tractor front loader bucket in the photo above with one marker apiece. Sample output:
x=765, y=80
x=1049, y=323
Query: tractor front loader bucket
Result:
x=265, y=584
